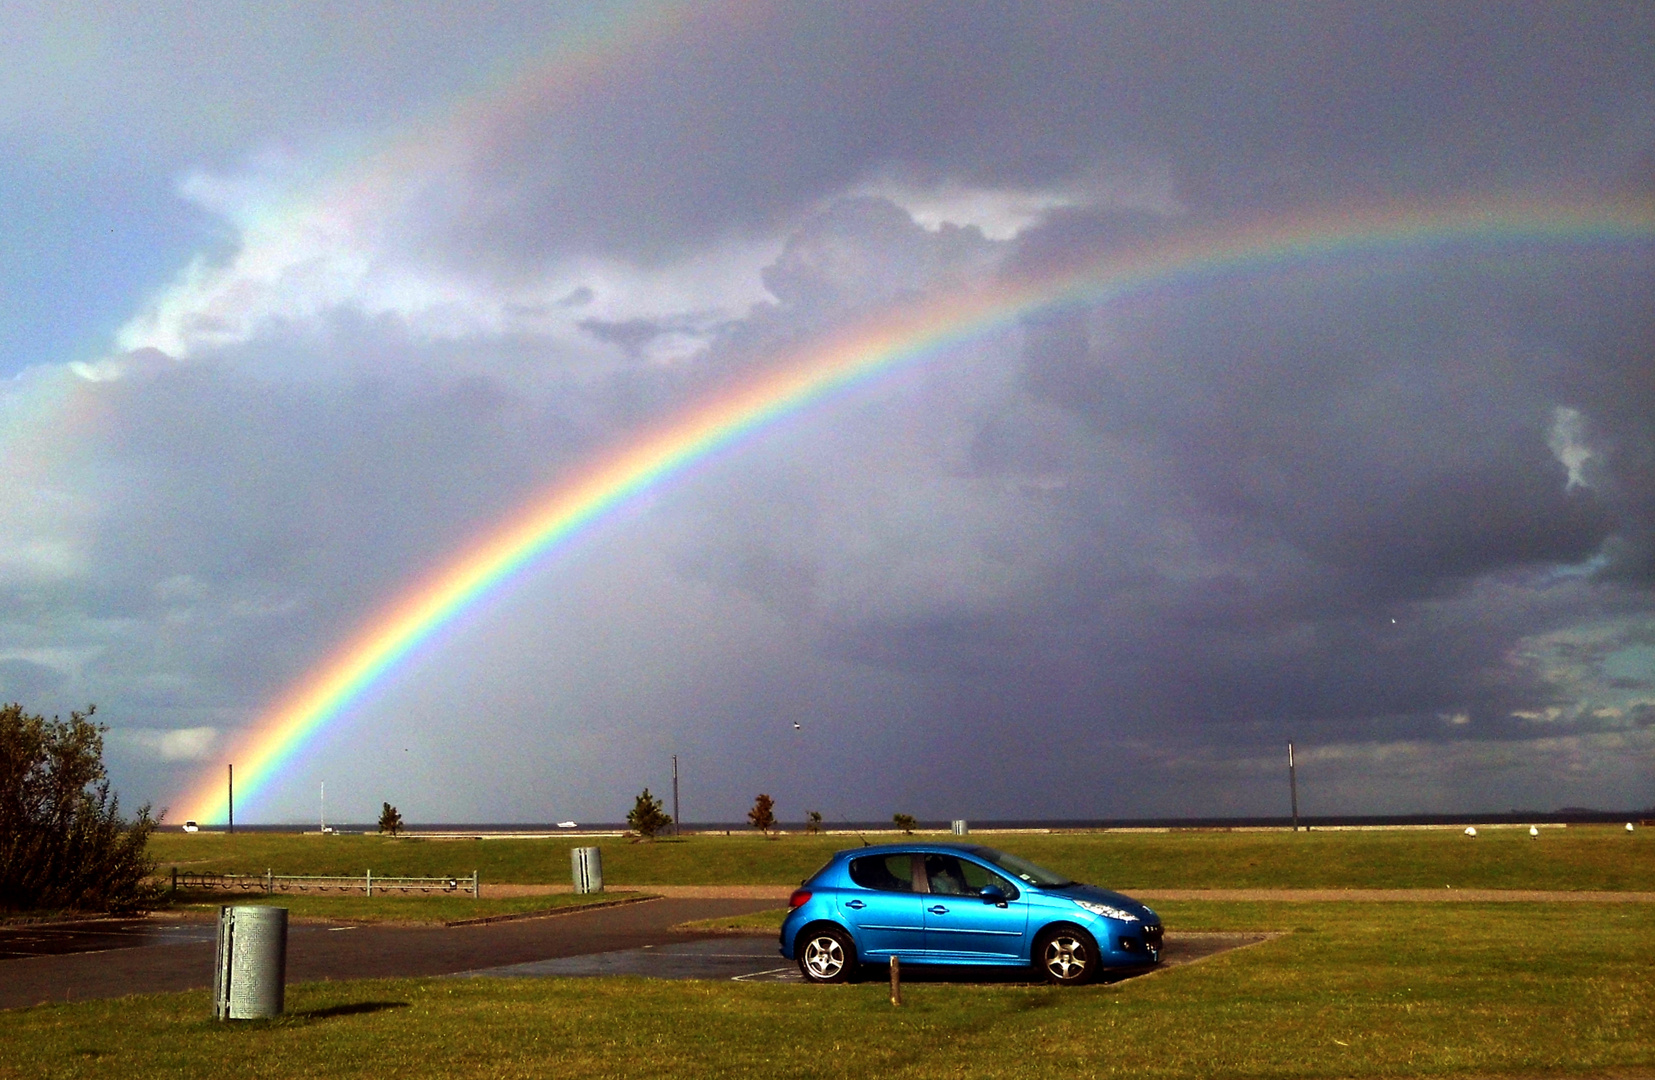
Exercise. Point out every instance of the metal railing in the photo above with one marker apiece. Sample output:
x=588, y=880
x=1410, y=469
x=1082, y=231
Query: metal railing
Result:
x=271, y=882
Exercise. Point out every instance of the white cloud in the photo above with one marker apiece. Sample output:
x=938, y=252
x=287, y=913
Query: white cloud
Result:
x=1568, y=444
x=308, y=246
x=171, y=744
x=1003, y=212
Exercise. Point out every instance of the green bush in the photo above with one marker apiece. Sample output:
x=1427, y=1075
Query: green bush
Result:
x=63, y=843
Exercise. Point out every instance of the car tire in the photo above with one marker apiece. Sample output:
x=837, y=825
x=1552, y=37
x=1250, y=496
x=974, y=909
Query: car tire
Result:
x=1067, y=956
x=826, y=954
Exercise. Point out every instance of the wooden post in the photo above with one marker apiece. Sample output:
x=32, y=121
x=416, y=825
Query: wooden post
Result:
x=370, y=880
x=896, y=979
x=474, y=893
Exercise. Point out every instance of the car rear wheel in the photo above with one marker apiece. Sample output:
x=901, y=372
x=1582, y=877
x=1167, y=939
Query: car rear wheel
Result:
x=826, y=955
x=1066, y=956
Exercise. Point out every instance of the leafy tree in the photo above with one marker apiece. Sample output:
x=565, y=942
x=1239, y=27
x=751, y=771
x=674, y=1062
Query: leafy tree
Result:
x=905, y=822
x=763, y=814
x=389, y=820
x=63, y=842
x=648, y=816
x=814, y=824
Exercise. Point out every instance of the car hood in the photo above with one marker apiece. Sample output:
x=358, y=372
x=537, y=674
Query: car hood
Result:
x=1107, y=896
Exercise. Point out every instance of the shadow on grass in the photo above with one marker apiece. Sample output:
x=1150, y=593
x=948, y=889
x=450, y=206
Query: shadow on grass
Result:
x=356, y=1008
x=984, y=975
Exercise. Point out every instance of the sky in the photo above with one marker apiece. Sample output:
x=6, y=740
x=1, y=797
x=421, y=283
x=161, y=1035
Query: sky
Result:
x=300, y=301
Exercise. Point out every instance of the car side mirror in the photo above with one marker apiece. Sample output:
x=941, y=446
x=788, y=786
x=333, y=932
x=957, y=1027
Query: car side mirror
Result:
x=993, y=894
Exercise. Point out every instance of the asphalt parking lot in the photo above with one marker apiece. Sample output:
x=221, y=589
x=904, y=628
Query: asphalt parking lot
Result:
x=96, y=935
x=756, y=959
x=105, y=958
x=62, y=965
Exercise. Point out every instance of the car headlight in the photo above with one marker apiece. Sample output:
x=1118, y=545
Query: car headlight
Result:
x=1106, y=911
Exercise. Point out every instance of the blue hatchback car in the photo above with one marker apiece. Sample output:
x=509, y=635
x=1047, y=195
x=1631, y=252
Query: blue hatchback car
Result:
x=961, y=904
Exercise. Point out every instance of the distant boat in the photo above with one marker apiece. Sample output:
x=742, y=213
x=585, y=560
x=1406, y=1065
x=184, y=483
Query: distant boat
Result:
x=566, y=825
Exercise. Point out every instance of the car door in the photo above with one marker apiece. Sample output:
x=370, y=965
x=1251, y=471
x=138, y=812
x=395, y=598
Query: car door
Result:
x=885, y=912
x=960, y=925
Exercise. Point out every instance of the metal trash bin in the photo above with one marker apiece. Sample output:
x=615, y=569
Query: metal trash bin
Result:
x=250, y=981
x=960, y=827
x=586, y=863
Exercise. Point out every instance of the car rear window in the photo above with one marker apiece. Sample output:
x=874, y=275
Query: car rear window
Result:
x=887, y=873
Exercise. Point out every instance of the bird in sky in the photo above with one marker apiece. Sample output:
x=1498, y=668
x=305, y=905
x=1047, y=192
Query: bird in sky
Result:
x=796, y=726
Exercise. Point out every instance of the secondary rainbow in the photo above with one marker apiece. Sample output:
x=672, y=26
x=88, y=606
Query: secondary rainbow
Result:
x=889, y=342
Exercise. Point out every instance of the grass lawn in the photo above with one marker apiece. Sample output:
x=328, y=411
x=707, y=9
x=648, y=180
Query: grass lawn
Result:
x=1357, y=990
x=1579, y=857
x=392, y=908
x=755, y=920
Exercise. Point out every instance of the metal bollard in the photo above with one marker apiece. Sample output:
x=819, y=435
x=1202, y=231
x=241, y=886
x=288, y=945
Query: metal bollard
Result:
x=250, y=981
x=586, y=863
x=960, y=827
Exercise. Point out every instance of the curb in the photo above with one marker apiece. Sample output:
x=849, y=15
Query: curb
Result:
x=551, y=913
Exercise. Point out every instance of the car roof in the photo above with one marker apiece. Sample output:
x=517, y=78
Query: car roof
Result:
x=922, y=846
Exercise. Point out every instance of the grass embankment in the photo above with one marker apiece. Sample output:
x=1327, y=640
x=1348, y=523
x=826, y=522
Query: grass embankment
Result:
x=1576, y=858
x=439, y=908
x=1353, y=990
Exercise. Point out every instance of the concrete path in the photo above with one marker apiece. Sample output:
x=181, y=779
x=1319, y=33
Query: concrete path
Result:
x=780, y=893
x=1415, y=896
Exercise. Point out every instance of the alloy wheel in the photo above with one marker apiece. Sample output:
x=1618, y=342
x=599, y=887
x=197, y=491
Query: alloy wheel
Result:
x=1065, y=957
x=824, y=956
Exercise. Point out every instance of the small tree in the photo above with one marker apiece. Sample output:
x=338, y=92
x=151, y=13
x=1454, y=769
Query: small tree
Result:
x=763, y=814
x=648, y=816
x=63, y=843
x=814, y=824
x=905, y=822
x=389, y=820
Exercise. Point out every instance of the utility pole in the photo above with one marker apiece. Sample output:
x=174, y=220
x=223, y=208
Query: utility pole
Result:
x=230, y=799
x=675, y=795
x=323, y=824
x=1293, y=786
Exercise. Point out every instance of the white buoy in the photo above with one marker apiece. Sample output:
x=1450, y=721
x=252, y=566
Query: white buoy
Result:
x=1533, y=831
x=1471, y=830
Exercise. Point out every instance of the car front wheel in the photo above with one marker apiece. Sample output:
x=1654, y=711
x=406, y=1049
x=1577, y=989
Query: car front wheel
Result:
x=1066, y=956
x=826, y=955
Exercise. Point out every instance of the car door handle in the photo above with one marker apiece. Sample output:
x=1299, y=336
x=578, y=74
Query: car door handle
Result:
x=937, y=909
x=856, y=904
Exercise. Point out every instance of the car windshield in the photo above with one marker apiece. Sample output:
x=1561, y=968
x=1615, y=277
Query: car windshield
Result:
x=1023, y=869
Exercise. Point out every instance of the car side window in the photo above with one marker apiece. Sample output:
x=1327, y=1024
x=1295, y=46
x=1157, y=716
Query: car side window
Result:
x=887, y=873
x=954, y=876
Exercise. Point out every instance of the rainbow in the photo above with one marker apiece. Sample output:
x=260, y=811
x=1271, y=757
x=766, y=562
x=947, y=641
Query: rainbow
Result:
x=852, y=358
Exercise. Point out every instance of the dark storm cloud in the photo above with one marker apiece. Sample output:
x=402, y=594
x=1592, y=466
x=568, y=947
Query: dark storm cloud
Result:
x=1322, y=504
x=742, y=120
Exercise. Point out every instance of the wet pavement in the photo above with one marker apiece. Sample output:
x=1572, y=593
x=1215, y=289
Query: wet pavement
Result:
x=756, y=959
x=363, y=951
x=97, y=935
